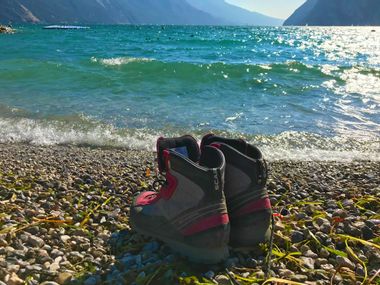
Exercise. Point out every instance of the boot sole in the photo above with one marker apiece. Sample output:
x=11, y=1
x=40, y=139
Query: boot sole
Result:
x=195, y=254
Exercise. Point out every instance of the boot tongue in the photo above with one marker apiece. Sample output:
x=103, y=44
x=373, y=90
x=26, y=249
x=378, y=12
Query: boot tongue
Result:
x=186, y=146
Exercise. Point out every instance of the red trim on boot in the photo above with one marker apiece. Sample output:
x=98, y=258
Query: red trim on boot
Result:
x=146, y=198
x=216, y=145
x=166, y=192
x=254, y=206
x=206, y=224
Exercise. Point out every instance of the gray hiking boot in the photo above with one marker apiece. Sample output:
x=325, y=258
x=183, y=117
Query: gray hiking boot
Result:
x=189, y=212
x=247, y=198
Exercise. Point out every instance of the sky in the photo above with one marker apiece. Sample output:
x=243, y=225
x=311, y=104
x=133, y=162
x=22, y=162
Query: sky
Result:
x=276, y=8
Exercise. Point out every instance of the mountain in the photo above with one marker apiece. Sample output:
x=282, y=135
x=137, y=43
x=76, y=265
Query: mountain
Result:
x=336, y=13
x=104, y=11
x=232, y=14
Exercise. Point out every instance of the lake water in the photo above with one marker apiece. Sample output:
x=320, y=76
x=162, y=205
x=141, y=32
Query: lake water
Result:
x=298, y=93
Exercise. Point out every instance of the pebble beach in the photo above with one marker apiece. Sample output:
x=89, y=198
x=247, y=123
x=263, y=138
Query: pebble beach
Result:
x=64, y=220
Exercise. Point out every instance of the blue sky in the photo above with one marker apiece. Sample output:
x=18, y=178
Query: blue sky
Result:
x=276, y=8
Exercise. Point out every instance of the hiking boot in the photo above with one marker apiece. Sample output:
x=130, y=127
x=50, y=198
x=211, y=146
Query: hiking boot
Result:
x=189, y=212
x=248, y=203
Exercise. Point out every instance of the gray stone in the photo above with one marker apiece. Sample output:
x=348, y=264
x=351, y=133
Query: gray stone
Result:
x=13, y=268
x=75, y=257
x=367, y=233
x=360, y=270
x=325, y=228
x=54, y=266
x=13, y=279
x=340, y=213
x=222, y=280
x=3, y=242
x=308, y=262
x=209, y=274
x=286, y=273
x=64, y=277
x=138, y=259
x=128, y=261
x=310, y=253
x=251, y=262
x=299, y=278
x=141, y=275
x=49, y=283
x=324, y=253
x=297, y=236
x=35, y=241
x=345, y=262
x=34, y=268
x=55, y=253
x=320, y=221
x=65, y=238
x=304, y=248
x=320, y=261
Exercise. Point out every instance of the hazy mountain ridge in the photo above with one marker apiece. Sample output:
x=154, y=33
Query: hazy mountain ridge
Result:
x=181, y=12
x=104, y=12
x=336, y=13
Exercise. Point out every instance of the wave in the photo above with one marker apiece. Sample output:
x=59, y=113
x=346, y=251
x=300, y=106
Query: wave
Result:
x=236, y=68
x=120, y=60
x=85, y=131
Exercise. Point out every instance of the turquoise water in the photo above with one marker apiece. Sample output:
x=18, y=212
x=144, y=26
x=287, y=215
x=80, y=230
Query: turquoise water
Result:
x=299, y=93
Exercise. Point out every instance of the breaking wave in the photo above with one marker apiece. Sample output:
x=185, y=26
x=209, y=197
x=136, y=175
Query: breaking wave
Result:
x=84, y=131
x=116, y=61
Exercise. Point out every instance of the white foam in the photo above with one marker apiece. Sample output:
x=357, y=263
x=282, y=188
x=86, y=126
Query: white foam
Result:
x=314, y=154
x=285, y=146
x=55, y=132
x=116, y=61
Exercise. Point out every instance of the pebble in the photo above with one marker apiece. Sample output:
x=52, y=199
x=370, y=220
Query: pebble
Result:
x=209, y=274
x=297, y=237
x=65, y=238
x=285, y=273
x=345, y=262
x=35, y=241
x=327, y=267
x=360, y=270
x=340, y=213
x=222, y=280
x=367, y=233
x=299, y=278
x=13, y=279
x=324, y=253
x=64, y=277
x=310, y=253
x=308, y=262
x=3, y=242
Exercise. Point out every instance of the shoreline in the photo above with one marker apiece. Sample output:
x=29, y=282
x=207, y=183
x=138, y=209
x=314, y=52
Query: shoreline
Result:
x=64, y=216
